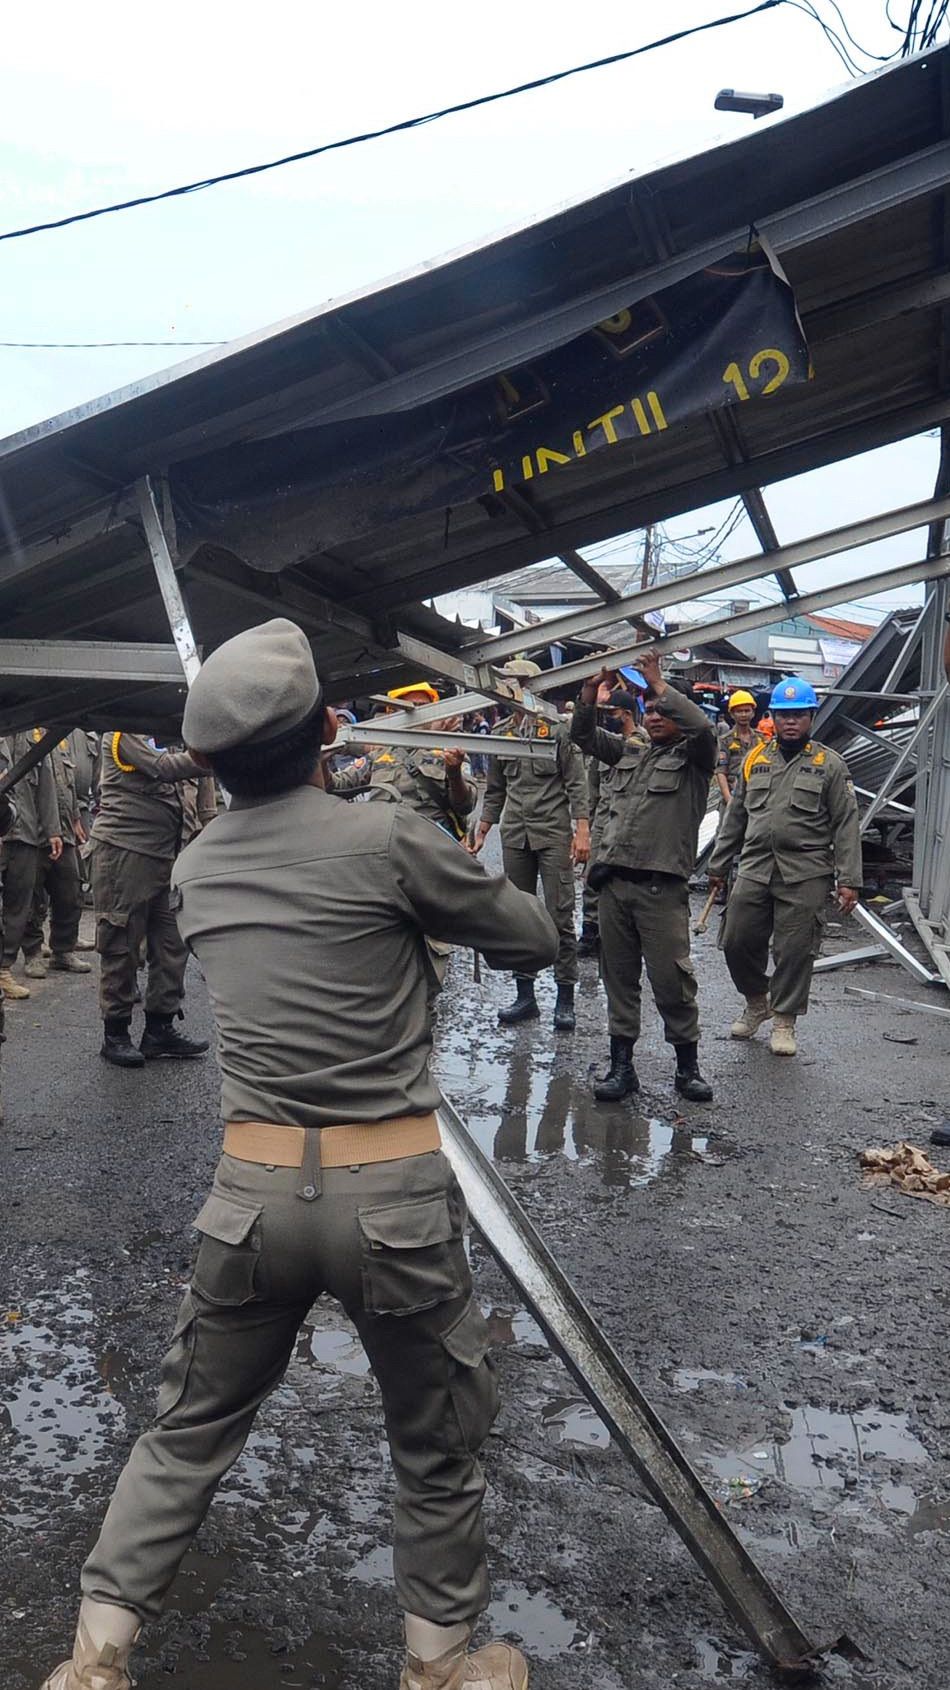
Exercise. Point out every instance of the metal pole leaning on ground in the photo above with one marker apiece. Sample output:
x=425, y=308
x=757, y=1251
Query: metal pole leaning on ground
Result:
x=638, y=1430
x=572, y=1330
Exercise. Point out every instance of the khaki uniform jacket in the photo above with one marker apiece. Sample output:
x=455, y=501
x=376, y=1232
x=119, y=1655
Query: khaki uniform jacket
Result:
x=84, y=749
x=733, y=752
x=64, y=778
x=658, y=793
x=417, y=778
x=37, y=820
x=798, y=817
x=307, y=915
x=141, y=806
x=536, y=800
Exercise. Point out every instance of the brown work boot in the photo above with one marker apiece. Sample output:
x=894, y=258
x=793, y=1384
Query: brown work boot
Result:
x=783, y=1036
x=498, y=1666
x=756, y=1011
x=34, y=968
x=100, y=1660
x=11, y=988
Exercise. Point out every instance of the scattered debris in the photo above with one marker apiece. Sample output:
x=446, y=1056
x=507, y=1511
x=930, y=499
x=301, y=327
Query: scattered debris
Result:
x=909, y=1169
x=901, y=1038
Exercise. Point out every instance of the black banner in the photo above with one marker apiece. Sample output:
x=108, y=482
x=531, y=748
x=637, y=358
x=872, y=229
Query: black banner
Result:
x=724, y=336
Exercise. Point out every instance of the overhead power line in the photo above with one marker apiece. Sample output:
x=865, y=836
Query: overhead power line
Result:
x=393, y=128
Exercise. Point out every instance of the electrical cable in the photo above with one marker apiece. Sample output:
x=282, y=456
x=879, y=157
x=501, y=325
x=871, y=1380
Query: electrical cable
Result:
x=394, y=128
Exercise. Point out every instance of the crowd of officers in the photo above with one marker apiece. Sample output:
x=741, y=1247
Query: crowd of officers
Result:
x=322, y=929
x=623, y=796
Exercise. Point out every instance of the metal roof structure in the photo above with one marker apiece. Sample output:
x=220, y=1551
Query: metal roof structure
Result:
x=851, y=196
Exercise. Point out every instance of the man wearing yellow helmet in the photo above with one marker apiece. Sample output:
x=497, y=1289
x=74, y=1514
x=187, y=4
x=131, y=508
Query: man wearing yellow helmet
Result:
x=432, y=781
x=736, y=740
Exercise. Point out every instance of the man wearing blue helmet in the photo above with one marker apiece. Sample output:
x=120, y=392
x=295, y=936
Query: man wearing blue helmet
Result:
x=793, y=824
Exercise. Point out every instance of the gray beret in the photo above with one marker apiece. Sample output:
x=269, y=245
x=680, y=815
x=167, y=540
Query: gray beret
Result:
x=254, y=688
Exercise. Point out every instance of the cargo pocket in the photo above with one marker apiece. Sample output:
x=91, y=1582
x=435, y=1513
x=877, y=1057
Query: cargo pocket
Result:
x=229, y=1253
x=413, y=1256
x=176, y=1365
x=473, y=1387
x=111, y=935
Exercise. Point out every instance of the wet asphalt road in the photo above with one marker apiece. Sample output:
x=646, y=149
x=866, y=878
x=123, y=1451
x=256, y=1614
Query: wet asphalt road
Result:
x=789, y=1323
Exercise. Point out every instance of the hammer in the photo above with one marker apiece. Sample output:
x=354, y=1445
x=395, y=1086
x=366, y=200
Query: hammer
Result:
x=701, y=925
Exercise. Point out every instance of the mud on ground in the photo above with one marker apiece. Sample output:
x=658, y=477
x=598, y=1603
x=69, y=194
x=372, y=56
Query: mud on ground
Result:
x=789, y=1323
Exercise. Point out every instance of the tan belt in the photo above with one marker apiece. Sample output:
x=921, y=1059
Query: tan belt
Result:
x=340, y=1147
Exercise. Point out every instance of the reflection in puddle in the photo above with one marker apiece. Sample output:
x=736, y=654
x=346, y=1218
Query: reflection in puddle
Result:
x=693, y=1378
x=576, y=1422
x=518, y=1111
x=376, y=1567
x=536, y=1623
x=717, y=1661
x=824, y=1450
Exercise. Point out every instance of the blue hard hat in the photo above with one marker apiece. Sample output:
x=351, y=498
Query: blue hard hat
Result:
x=793, y=694
x=634, y=677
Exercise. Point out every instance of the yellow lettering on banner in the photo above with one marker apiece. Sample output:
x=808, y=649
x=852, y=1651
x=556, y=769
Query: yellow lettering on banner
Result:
x=770, y=355
x=733, y=374
x=640, y=416
x=606, y=422
x=546, y=458
x=498, y=480
x=653, y=400
x=577, y=441
x=527, y=468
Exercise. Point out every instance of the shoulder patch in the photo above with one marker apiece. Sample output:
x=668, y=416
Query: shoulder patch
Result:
x=127, y=768
x=758, y=754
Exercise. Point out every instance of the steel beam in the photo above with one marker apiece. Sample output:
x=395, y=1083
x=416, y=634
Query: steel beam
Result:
x=167, y=580
x=909, y=750
x=866, y=586
x=848, y=959
x=475, y=678
x=937, y=949
x=92, y=660
x=882, y=933
x=902, y=1003
x=752, y=568
x=497, y=745
x=635, y=1425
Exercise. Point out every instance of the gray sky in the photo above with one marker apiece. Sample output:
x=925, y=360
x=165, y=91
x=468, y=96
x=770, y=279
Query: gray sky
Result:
x=99, y=103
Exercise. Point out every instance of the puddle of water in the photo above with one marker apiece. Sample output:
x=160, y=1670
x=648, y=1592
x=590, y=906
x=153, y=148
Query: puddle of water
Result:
x=576, y=1422
x=929, y=1513
x=340, y=1350
x=507, y=1326
x=241, y=1657
x=694, y=1378
x=822, y=1450
x=537, y=1623
x=376, y=1567
x=715, y=1660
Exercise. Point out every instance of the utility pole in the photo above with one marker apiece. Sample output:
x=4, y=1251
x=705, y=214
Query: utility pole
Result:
x=645, y=573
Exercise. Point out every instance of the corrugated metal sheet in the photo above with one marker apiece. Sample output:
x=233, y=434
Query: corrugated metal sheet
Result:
x=74, y=561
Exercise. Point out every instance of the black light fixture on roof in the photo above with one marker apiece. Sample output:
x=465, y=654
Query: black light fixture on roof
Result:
x=753, y=105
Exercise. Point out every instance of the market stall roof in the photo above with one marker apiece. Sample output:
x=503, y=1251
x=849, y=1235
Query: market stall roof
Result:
x=852, y=198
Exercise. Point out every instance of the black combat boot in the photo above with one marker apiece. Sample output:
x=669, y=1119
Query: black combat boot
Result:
x=621, y=1077
x=588, y=945
x=688, y=1080
x=564, y=1010
x=160, y=1038
x=116, y=1045
x=525, y=1006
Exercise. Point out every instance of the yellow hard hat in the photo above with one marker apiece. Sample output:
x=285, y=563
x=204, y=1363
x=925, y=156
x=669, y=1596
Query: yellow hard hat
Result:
x=741, y=697
x=425, y=687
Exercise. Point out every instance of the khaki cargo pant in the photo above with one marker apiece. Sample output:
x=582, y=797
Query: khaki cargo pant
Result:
x=21, y=869
x=386, y=1239
x=130, y=894
x=647, y=921
x=793, y=917
x=57, y=892
x=552, y=865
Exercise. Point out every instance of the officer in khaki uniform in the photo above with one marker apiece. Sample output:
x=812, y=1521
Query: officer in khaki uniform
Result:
x=544, y=809
x=145, y=814
x=793, y=824
x=644, y=859
x=736, y=739
x=307, y=916
x=600, y=779
x=57, y=890
x=34, y=835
